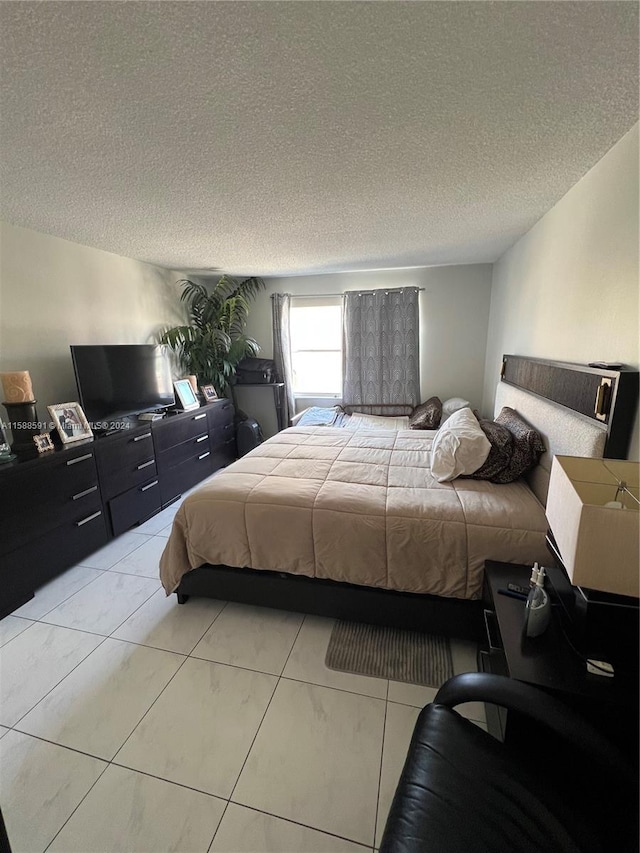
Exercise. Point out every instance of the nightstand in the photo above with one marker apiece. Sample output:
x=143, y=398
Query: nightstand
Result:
x=551, y=663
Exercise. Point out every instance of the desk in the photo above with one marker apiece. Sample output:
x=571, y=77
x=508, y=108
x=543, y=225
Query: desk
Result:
x=549, y=662
x=278, y=398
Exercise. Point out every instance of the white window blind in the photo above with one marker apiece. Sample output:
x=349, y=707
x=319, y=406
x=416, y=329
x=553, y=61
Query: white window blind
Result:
x=316, y=345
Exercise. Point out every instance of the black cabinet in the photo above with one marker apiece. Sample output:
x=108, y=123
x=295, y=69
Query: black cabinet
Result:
x=549, y=662
x=222, y=433
x=193, y=445
x=51, y=515
x=128, y=477
x=61, y=506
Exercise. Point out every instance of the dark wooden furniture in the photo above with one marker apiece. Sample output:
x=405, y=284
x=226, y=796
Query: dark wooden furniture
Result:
x=551, y=663
x=222, y=433
x=128, y=477
x=609, y=397
x=51, y=515
x=430, y=613
x=61, y=506
x=183, y=453
x=191, y=446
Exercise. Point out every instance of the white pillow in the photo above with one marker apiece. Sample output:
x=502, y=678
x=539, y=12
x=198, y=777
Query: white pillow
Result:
x=453, y=404
x=460, y=447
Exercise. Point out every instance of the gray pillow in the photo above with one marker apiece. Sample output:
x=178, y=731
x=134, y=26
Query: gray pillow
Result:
x=427, y=415
x=501, y=452
x=527, y=446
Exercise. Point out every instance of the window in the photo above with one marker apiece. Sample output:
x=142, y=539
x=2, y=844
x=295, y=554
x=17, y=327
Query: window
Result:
x=316, y=345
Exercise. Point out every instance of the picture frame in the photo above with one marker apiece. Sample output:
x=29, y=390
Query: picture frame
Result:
x=209, y=393
x=43, y=442
x=70, y=422
x=186, y=395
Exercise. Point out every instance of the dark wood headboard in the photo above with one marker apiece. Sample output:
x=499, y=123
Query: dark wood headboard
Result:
x=607, y=396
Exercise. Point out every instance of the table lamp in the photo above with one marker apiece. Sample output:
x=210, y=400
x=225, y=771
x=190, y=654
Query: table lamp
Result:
x=20, y=403
x=593, y=509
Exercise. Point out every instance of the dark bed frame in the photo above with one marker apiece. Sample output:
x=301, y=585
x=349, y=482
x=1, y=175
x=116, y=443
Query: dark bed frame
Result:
x=608, y=396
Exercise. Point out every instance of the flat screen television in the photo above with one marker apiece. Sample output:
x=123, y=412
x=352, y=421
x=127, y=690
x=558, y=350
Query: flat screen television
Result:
x=116, y=380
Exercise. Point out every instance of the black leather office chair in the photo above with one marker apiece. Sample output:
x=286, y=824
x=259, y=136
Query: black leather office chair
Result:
x=565, y=789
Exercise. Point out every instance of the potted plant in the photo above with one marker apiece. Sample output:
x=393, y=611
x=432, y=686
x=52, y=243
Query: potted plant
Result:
x=214, y=342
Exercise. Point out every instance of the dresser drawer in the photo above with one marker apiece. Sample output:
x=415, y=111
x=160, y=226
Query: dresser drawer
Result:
x=219, y=414
x=178, y=479
x=134, y=506
x=182, y=452
x=125, y=461
x=223, y=454
x=221, y=434
x=41, y=497
x=44, y=556
x=176, y=430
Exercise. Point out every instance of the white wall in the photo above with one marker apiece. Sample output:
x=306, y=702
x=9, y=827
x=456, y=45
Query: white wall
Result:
x=54, y=293
x=454, y=313
x=568, y=289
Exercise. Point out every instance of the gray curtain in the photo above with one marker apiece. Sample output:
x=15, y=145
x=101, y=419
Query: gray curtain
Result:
x=281, y=308
x=381, y=359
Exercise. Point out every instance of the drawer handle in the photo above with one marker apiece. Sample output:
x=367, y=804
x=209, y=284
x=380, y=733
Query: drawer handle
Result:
x=149, y=486
x=80, y=459
x=489, y=616
x=88, y=518
x=202, y=438
x=145, y=464
x=199, y=417
x=141, y=437
x=85, y=493
x=228, y=426
x=204, y=455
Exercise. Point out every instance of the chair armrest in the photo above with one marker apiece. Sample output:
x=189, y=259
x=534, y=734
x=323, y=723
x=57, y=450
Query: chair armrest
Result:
x=539, y=707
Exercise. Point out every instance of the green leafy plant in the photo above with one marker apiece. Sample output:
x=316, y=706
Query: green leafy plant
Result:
x=214, y=342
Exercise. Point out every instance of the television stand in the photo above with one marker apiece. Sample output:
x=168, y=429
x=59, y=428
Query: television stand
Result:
x=65, y=504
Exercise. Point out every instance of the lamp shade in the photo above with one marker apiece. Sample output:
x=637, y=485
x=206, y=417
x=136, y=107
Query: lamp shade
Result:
x=599, y=544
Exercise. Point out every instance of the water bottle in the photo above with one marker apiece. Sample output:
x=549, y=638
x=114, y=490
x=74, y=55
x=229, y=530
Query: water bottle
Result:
x=537, y=609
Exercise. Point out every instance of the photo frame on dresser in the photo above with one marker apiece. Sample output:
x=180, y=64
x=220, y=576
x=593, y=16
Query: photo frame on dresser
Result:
x=209, y=393
x=43, y=442
x=70, y=422
x=186, y=395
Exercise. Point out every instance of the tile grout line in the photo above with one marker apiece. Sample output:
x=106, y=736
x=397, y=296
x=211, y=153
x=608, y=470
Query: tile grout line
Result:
x=278, y=680
x=279, y=817
x=298, y=823
x=77, y=807
x=84, y=586
x=63, y=677
x=254, y=738
x=384, y=730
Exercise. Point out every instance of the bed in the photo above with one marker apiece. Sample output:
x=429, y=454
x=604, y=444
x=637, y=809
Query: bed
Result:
x=351, y=523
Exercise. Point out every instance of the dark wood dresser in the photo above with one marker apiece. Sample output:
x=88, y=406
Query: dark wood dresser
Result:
x=63, y=505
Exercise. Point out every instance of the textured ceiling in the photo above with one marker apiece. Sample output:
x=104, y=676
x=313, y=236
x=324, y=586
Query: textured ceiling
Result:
x=274, y=138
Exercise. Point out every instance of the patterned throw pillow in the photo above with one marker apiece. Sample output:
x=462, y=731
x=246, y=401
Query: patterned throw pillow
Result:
x=527, y=446
x=427, y=415
x=501, y=452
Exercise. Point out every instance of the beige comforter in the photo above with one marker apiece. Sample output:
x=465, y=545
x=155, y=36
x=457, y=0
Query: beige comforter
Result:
x=360, y=507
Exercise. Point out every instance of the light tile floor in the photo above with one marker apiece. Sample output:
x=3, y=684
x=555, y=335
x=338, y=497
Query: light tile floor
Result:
x=129, y=723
